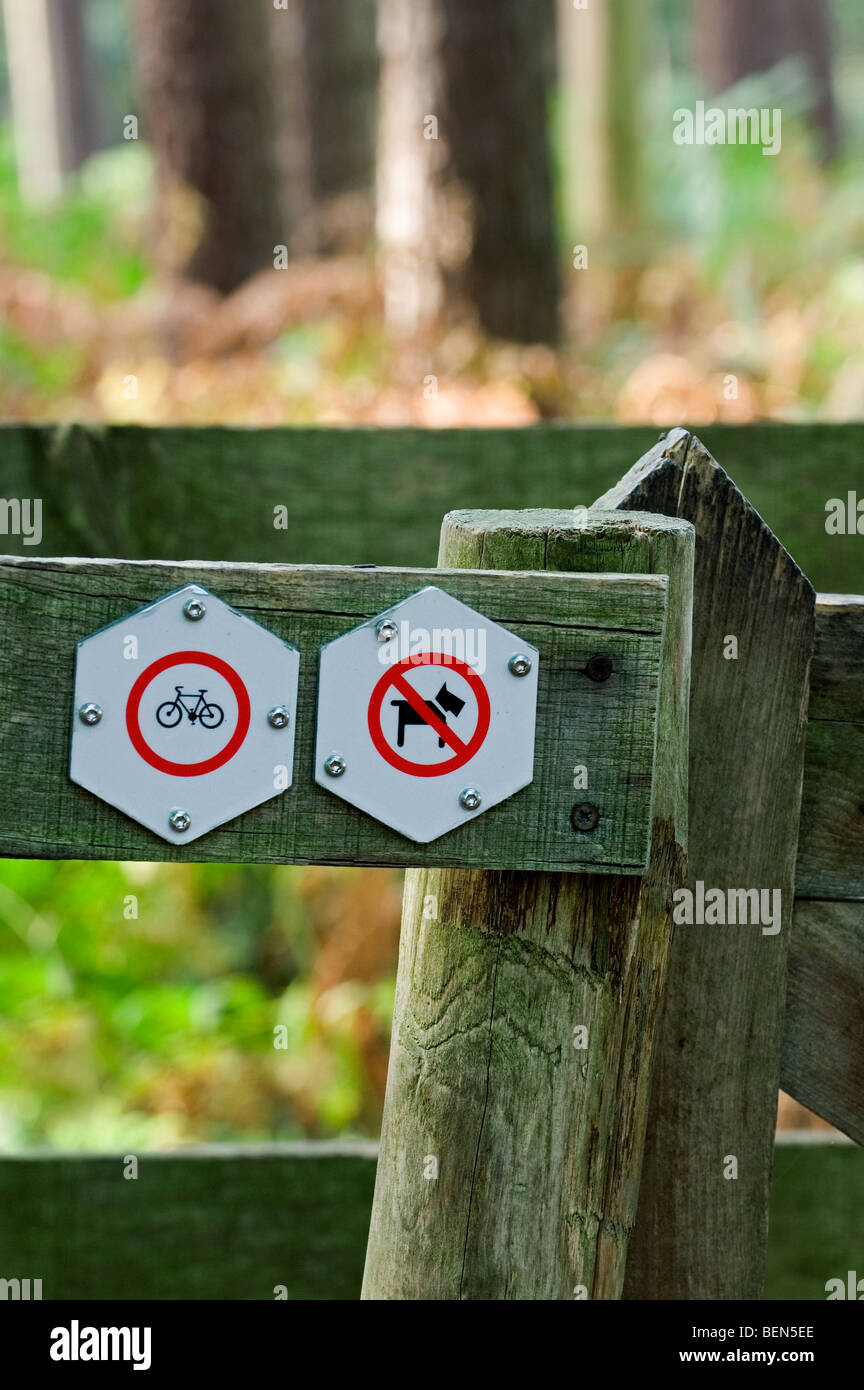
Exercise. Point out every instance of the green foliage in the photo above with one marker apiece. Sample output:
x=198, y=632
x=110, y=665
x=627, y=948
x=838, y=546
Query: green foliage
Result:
x=139, y=1003
x=91, y=238
x=24, y=366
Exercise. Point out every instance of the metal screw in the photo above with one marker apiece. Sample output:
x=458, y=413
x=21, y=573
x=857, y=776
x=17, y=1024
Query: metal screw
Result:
x=90, y=713
x=386, y=630
x=519, y=665
x=278, y=716
x=179, y=820
x=469, y=799
x=194, y=609
x=599, y=668
x=584, y=816
x=335, y=765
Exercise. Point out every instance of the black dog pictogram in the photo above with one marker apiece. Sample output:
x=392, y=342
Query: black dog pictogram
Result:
x=445, y=703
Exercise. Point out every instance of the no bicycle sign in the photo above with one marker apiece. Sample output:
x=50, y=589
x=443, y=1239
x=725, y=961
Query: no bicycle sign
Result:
x=426, y=715
x=184, y=714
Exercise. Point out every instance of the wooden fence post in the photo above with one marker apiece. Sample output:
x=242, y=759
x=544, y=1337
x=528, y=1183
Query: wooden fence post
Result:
x=510, y=1155
x=822, y=1063
x=703, y=1210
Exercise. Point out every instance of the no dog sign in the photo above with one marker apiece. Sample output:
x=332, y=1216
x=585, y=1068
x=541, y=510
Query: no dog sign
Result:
x=427, y=690
x=426, y=715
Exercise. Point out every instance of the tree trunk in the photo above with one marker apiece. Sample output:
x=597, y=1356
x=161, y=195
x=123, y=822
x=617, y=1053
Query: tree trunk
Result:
x=208, y=110
x=50, y=88
x=326, y=59
x=735, y=38
x=341, y=65
x=602, y=67
x=465, y=186
x=412, y=160
x=286, y=31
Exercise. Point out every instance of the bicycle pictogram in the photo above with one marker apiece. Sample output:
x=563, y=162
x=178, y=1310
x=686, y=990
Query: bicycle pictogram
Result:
x=204, y=712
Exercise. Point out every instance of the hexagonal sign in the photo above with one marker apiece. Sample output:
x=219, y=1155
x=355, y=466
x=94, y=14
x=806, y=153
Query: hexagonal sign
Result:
x=426, y=715
x=184, y=714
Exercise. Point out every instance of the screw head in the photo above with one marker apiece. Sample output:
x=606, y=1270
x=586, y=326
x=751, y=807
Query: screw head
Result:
x=584, y=817
x=278, y=716
x=179, y=820
x=386, y=630
x=335, y=765
x=469, y=799
x=90, y=713
x=599, y=668
x=519, y=665
x=194, y=609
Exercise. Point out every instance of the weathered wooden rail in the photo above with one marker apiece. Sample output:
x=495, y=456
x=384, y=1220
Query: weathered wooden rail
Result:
x=292, y=1220
x=46, y=606
x=822, y=1063
x=361, y=495
x=738, y=1016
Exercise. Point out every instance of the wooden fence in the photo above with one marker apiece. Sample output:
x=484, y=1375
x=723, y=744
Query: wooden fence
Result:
x=292, y=1220
x=737, y=1014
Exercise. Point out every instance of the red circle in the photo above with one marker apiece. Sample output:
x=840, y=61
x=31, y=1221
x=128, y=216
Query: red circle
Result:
x=133, y=727
x=484, y=714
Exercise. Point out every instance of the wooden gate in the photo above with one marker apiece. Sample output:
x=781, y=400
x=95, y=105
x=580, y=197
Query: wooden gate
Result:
x=533, y=1197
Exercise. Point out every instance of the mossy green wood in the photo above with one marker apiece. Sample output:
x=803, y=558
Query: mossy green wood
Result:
x=714, y=1100
x=249, y=1222
x=227, y=1222
x=510, y=1152
x=822, y=1062
x=354, y=495
x=46, y=606
x=831, y=838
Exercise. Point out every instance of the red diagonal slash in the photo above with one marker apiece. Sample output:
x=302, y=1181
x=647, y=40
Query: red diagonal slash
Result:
x=394, y=677
x=419, y=705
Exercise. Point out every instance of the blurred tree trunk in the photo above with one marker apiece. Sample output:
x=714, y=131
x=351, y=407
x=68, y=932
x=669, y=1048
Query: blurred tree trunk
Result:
x=326, y=59
x=602, y=60
x=341, y=64
x=208, y=107
x=51, y=87
x=735, y=38
x=464, y=179
x=293, y=117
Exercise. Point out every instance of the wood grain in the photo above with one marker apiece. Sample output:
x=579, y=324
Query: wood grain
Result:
x=715, y=1087
x=831, y=837
x=234, y=1222
x=536, y=1144
x=226, y=1222
x=822, y=1063
x=46, y=606
x=356, y=495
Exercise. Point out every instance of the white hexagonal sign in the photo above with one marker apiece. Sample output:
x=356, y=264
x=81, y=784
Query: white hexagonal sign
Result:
x=426, y=715
x=184, y=714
